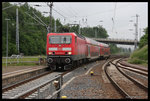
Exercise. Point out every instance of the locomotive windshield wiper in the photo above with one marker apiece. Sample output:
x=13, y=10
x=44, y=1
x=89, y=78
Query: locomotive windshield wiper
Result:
x=64, y=39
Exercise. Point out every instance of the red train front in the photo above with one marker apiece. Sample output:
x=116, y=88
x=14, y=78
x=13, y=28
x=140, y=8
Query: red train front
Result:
x=67, y=50
x=63, y=50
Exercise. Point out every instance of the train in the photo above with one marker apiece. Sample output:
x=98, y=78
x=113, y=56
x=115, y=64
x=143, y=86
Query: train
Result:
x=68, y=50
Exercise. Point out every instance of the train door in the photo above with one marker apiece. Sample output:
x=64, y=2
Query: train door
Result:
x=99, y=51
x=89, y=51
x=76, y=45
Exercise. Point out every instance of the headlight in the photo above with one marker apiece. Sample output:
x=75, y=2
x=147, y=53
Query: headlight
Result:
x=49, y=53
x=69, y=53
x=52, y=49
x=66, y=49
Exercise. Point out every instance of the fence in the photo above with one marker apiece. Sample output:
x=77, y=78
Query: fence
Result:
x=15, y=59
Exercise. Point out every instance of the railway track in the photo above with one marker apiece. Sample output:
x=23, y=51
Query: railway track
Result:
x=19, y=77
x=127, y=86
x=140, y=74
x=9, y=87
x=17, y=90
x=141, y=71
x=35, y=87
x=25, y=89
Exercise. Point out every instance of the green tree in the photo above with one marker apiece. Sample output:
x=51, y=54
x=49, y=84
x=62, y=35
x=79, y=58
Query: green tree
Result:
x=114, y=49
x=92, y=31
x=32, y=35
x=144, y=38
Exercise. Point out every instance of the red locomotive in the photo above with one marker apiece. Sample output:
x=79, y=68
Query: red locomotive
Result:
x=67, y=50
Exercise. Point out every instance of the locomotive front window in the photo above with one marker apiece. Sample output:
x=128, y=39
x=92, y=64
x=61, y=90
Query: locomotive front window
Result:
x=60, y=39
x=54, y=39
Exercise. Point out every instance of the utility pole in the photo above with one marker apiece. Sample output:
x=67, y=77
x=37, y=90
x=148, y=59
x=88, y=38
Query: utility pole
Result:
x=136, y=31
x=50, y=24
x=17, y=31
x=79, y=27
x=95, y=33
x=139, y=34
x=7, y=42
x=55, y=26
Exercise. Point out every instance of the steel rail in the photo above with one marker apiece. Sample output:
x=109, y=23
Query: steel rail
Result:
x=24, y=81
x=139, y=84
x=146, y=74
x=118, y=88
x=132, y=66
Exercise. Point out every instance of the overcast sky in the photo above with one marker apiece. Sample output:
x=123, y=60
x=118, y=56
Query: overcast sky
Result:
x=101, y=13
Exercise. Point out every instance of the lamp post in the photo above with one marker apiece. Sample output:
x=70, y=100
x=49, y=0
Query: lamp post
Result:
x=7, y=42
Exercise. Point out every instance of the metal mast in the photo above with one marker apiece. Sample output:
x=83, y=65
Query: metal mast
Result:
x=55, y=26
x=7, y=42
x=50, y=24
x=17, y=31
x=136, y=31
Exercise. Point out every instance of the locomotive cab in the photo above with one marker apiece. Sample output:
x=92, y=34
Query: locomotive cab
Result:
x=59, y=50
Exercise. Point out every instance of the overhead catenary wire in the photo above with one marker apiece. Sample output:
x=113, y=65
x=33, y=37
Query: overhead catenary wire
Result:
x=39, y=18
x=59, y=13
x=57, y=7
x=8, y=7
x=69, y=9
x=73, y=10
x=102, y=12
x=35, y=19
x=72, y=14
x=65, y=18
x=55, y=11
x=113, y=19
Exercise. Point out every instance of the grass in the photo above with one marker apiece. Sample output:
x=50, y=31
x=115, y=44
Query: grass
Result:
x=21, y=59
x=140, y=56
x=25, y=58
x=20, y=64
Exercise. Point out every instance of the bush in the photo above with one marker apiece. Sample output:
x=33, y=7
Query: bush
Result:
x=136, y=61
x=141, y=53
x=139, y=56
x=144, y=38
